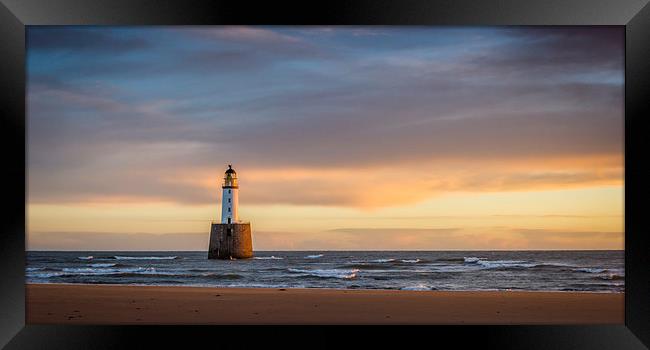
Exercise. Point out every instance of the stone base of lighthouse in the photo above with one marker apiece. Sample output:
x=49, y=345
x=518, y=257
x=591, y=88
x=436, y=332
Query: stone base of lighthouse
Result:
x=230, y=241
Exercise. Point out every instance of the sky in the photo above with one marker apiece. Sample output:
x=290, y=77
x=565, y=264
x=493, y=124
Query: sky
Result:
x=344, y=138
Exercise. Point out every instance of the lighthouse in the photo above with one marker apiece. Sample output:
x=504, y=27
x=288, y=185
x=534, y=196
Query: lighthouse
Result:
x=229, y=197
x=231, y=238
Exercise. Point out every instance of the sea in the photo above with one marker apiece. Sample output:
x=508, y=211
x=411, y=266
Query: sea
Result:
x=585, y=271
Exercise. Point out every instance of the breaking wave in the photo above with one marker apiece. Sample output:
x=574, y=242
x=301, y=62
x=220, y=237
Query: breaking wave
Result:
x=118, y=257
x=611, y=277
x=131, y=272
x=30, y=269
x=498, y=264
x=417, y=287
x=267, y=258
x=103, y=265
x=590, y=270
x=389, y=260
x=502, y=264
x=93, y=271
x=410, y=261
x=315, y=256
x=327, y=273
x=47, y=274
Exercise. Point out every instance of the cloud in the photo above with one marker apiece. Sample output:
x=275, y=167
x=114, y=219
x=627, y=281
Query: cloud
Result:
x=351, y=30
x=108, y=241
x=244, y=34
x=340, y=239
x=139, y=150
x=343, y=117
x=480, y=239
x=159, y=178
x=54, y=38
x=199, y=52
x=539, y=52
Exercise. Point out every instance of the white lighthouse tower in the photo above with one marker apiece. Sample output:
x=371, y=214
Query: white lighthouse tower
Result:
x=230, y=239
x=230, y=197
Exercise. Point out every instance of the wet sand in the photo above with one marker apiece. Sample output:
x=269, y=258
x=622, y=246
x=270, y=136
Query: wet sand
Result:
x=120, y=304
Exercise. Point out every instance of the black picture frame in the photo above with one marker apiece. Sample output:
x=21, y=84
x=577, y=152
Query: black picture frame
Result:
x=16, y=14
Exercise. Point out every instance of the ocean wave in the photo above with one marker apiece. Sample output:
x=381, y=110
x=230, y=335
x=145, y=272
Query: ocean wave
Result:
x=417, y=287
x=594, y=286
x=40, y=269
x=315, y=256
x=372, y=262
x=389, y=260
x=590, y=270
x=199, y=270
x=518, y=264
x=89, y=257
x=500, y=264
x=103, y=265
x=149, y=272
x=410, y=261
x=554, y=265
x=223, y=276
x=505, y=264
x=366, y=266
x=118, y=257
x=89, y=271
x=153, y=271
x=328, y=273
x=611, y=277
x=30, y=269
x=451, y=259
x=160, y=274
x=46, y=275
x=451, y=268
x=267, y=257
x=261, y=285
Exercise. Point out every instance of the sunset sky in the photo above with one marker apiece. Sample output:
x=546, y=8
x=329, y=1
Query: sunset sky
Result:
x=344, y=138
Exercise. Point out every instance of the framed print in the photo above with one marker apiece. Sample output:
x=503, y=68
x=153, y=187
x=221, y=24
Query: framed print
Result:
x=471, y=172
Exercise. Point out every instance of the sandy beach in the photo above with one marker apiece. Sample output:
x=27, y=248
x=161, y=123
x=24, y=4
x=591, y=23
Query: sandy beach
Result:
x=120, y=304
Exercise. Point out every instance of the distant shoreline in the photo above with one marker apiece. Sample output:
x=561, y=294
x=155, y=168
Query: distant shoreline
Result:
x=127, y=304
